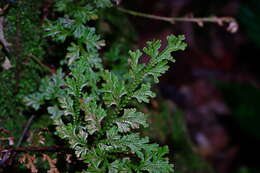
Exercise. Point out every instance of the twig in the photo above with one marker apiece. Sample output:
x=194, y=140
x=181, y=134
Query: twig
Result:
x=233, y=26
x=39, y=149
x=40, y=63
x=10, y=153
x=25, y=130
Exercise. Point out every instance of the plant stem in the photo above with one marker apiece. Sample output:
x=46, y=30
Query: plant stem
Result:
x=173, y=20
x=40, y=63
x=8, y=153
x=40, y=149
x=25, y=130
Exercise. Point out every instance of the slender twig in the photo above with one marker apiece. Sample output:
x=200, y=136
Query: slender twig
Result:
x=10, y=153
x=199, y=20
x=25, y=130
x=150, y=16
x=40, y=63
x=172, y=20
x=40, y=149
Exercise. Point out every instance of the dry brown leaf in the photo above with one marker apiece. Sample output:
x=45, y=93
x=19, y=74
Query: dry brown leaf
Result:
x=29, y=161
x=52, y=163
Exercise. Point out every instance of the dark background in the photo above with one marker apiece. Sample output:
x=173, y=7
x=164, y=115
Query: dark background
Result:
x=215, y=82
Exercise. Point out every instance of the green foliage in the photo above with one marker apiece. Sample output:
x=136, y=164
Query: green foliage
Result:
x=120, y=39
x=22, y=28
x=92, y=108
x=48, y=90
x=130, y=120
x=95, y=112
x=22, y=78
x=97, y=124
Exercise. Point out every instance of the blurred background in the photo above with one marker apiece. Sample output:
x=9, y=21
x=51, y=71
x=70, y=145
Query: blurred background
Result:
x=208, y=110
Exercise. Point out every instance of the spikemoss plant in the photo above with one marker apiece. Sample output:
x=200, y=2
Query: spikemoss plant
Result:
x=95, y=109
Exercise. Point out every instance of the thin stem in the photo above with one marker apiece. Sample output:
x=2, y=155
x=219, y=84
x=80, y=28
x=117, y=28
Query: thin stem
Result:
x=40, y=63
x=173, y=20
x=40, y=149
x=139, y=14
x=8, y=153
x=25, y=130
